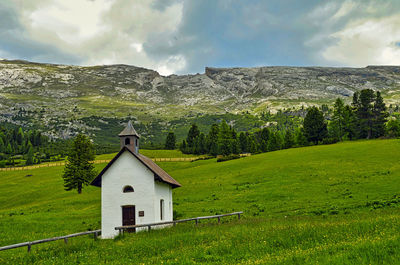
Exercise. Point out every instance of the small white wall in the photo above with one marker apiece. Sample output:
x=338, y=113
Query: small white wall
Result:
x=127, y=170
x=163, y=191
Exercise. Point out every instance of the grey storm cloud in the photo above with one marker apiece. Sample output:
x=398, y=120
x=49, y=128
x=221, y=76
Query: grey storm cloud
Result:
x=15, y=42
x=178, y=36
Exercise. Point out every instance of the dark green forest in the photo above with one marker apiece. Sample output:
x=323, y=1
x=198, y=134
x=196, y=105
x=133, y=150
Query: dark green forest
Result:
x=20, y=147
x=366, y=118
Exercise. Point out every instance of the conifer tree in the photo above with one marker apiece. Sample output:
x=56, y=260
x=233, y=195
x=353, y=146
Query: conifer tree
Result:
x=289, y=139
x=199, y=146
x=29, y=158
x=273, y=142
x=243, y=142
x=380, y=116
x=212, y=140
x=192, y=135
x=20, y=136
x=224, y=139
x=337, y=124
x=183, y=147
x=170, y=141
x=363, y=109
x=301, y=139
x=253, y=145
x=9, y=149
x=314, y=125
x=349, y=123
x=2, y=147
x=79, y=170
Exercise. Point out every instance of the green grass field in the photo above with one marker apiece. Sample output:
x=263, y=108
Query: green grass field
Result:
x=332, y=204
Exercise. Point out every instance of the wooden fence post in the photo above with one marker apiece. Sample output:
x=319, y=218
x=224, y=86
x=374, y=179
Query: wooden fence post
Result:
x=197, y=221
x=65, y=240
x=29, y=248
x=238, y=216
x=219, y=219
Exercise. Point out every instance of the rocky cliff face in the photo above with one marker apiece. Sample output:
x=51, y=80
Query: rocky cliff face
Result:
x=59, y=96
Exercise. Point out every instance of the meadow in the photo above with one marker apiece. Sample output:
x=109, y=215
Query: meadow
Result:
x=331, y=204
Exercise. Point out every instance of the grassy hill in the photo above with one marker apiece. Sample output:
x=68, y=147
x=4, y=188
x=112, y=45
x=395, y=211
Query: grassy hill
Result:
x=328, y=204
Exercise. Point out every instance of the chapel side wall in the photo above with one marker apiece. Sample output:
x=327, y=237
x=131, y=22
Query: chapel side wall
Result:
x=163, y=191
x=126, y=170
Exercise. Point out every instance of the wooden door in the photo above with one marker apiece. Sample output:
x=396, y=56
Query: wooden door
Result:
x=128, y=216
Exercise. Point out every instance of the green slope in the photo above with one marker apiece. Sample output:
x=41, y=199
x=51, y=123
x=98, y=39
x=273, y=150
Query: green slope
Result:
x=305, y=205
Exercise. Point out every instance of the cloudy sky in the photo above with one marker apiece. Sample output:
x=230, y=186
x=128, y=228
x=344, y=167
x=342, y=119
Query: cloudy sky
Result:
x=179, y=36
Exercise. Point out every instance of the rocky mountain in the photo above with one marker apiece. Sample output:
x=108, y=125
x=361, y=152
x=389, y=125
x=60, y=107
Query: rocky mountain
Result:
x=64, y=99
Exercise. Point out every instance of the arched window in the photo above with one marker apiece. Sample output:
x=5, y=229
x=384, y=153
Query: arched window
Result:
x=128, y=189
x=127, y=141
x=161, y=209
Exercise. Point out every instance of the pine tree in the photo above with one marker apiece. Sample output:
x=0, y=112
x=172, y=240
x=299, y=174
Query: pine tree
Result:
x=202, y=146
x=363, y=109
x=263, y=146
x=79, y=170
x=29, y=158
x=212, y=140
x=170, y=141
x=274, y=142
x=9, y=149
x=337, y=124
x=183, y=147
x=192, y=135
x=289, y=139
x=314, y=125
x=2, y=146
x=224, y=139
x=349, y=123
x=243, y=142
x=20, y=136
x=380, y=116
x=253, y=145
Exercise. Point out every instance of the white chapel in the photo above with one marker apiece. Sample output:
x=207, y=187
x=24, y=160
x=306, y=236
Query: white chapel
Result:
x=134, y=189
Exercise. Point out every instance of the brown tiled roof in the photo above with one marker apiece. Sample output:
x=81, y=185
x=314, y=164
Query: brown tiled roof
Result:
x=159, y=173
x=129, y=130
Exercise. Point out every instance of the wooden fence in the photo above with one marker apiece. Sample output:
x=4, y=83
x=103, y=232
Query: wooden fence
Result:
x=29, y=244
x=195, y=219
x=62, y=163
x=120, y=228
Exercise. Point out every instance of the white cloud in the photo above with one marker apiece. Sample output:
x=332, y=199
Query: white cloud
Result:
x=366, y=41
x=104, y=31
x=137, y=46
x=73, y=21
x=344, y=9
x=171, y=65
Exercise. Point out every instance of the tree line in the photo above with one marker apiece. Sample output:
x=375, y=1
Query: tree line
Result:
x=365, y=118
x=30, y=145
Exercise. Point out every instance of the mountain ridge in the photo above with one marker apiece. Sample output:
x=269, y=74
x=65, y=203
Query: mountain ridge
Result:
x=58, y=98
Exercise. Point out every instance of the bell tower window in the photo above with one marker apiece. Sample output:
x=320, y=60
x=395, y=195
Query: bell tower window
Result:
x=127, y=141
x=128, y=189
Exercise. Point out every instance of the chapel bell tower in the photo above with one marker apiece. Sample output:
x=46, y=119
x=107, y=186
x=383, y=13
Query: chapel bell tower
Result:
x=130, y=138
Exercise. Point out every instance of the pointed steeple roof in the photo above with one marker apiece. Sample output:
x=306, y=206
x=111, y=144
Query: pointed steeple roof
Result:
x=129, y=130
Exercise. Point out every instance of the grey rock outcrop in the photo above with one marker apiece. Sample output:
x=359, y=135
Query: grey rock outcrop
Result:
x=51, y=94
